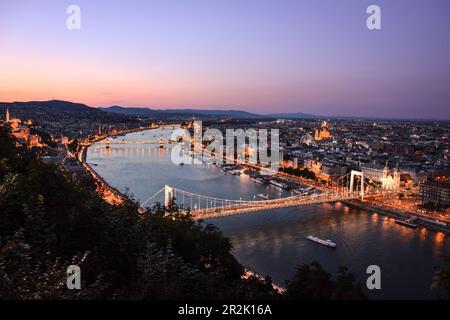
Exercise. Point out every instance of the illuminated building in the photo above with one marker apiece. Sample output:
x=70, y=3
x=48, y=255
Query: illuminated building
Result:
x=332, y=171
x=323, y=133
x=14, y=123
x=22, y=132
x=34, y=140
x=313, y=165
x=65, y=140
x=295, y=163
x=437, y=193
x=390, y=181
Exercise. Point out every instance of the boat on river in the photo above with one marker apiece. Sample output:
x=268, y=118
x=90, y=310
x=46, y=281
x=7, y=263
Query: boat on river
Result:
x=407, y=223
x=327, y=243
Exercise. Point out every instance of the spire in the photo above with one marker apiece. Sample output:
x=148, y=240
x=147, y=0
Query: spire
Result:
x=7, y=115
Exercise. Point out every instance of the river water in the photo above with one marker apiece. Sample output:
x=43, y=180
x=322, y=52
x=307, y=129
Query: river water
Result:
x=273, y=242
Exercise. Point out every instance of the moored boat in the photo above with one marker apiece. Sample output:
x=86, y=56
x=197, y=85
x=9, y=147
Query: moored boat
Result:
x=406, y=223
x=278, y=184
x=260, y=181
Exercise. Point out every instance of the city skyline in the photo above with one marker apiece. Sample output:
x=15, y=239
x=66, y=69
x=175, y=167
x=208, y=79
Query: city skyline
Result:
x=266, y=57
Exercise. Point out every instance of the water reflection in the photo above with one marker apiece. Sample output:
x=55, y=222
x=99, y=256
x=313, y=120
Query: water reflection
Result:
x=439, y=238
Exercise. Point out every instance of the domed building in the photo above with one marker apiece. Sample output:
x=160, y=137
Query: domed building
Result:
x=307, y=139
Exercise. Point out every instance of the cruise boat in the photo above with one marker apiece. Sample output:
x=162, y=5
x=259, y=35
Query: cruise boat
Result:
x=278, y=184
x=260, y=181
x=263, y=196
x=327, y=243
x=235, y=172
x=407, y=223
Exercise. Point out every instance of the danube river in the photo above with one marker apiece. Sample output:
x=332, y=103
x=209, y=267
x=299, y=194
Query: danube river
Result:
x=273, y=242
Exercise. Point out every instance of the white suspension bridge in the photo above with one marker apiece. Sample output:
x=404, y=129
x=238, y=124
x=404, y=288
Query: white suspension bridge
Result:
x=349, y=187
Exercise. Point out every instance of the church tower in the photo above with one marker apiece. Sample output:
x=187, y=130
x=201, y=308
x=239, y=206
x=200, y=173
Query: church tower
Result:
x=396, y=178
x=385, y=170
x=7, y=115
x=386, y=178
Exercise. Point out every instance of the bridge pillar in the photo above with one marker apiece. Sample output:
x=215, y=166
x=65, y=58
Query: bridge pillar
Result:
x=168, y=195
x=352, y=179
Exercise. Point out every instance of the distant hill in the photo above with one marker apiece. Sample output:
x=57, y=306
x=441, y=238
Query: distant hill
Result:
x=64, y=118
x=183, y=112
x=221, y=113
x=55, y=106
x=52, y=105
x=130, y=111
x=295, y=115
x=58, y=108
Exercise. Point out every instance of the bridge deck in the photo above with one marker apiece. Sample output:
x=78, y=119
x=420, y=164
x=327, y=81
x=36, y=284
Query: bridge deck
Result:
x=279, y=203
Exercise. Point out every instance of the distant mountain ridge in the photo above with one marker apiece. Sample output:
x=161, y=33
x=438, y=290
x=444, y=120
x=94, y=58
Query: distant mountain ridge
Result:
x=293, y=115
x=130, y=111
x=185, y=112
x=67, y=106
x=207, y=112
x=51, y=105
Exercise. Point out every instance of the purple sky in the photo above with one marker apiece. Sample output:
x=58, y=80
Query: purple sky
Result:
x=313, y=56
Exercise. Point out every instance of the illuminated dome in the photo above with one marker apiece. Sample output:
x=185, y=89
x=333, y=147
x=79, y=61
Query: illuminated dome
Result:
x=307, y=139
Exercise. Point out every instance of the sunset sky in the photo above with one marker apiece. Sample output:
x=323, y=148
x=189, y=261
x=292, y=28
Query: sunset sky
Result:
x=313, y=56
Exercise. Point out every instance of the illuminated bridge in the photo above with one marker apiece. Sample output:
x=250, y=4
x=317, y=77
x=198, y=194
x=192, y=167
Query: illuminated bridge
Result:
x=350, y=187
x=114, y=142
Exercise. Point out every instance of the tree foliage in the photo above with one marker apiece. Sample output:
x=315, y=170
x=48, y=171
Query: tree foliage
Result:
x=304, y=173
x=441, y=282
x=312, y=282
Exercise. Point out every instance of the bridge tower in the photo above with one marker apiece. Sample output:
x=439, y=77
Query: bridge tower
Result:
x=352, y=182
x=168, y=195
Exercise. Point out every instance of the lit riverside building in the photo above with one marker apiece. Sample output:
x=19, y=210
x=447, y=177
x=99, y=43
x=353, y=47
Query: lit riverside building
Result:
x=436, y=193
